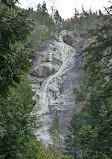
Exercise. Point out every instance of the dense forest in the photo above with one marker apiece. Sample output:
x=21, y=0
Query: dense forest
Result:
x=90, y=131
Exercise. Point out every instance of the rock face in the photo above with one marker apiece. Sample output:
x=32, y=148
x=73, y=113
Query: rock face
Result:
x=68, y=39
x=55, y=73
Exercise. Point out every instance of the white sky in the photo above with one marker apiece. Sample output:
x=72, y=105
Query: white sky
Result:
x=66, y=7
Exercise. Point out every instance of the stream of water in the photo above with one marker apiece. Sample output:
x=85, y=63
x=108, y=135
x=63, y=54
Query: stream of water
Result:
x=66, y=57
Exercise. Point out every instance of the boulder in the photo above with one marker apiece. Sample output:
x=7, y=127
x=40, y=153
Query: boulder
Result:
x=68, y=39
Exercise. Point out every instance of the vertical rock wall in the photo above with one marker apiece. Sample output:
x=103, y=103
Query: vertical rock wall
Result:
x=62, y=77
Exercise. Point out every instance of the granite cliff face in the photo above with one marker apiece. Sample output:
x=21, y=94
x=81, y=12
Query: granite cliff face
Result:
x=54, y=75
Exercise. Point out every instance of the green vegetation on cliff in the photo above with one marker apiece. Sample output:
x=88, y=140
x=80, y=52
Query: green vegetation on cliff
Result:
x=14, y=58
x=18, y=30
x=43, y=29
x=90, y=131
x=22, y=31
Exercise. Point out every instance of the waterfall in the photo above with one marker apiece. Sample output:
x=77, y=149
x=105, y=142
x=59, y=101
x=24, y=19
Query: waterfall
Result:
x=66, y=58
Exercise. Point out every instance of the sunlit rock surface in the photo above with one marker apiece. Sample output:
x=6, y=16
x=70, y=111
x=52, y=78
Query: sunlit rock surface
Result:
x=56, y=71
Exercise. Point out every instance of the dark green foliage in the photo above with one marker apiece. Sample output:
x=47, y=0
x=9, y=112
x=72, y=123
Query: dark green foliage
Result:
x=84, y=21
x=57, y=17
x=72, y=146
x=94, y=122
x=44, y=8
x=41, y=17
x=55, y=135
x=9, y=3
x=90, y=131
x=17, y=139
x=16, y=124
x=39, y=8
x=44, y=28
x=14, y=59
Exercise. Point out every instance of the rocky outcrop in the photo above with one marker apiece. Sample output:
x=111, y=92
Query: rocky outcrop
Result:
x=56, y=71
x=71, y=38
x=68, y=39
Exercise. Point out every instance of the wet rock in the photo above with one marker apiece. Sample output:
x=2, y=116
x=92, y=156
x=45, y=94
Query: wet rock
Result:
x=60, y=89
x=75, y=35
x=81, y=43
x=43, y=71
x=68, y=39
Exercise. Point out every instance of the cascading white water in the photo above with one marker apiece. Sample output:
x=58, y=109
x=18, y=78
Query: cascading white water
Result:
x=66, y=56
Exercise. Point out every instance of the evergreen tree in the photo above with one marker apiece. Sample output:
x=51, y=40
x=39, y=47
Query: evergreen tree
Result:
x=16, y=124
x=72, y=145
x=14, y=59
x=94, y=132
x=44, y=8
x=39, y=8
x=57, y=17
x=10, y=3
x=76, y=16
x=98, y=80
x=55, y=134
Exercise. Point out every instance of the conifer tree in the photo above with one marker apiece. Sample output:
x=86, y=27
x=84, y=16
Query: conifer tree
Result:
x=71, y=143
x=95, y=95
x=44, y=8
x=57, y=17
x=55, y=134
x=39, y=8
x=10, y=3
x=14, y=28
